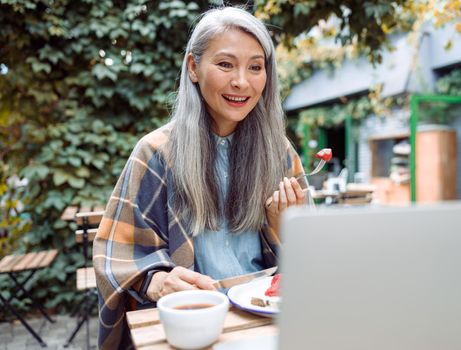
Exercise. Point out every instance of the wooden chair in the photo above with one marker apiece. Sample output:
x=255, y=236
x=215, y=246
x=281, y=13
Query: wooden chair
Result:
x=21, y=268
x=87, y=220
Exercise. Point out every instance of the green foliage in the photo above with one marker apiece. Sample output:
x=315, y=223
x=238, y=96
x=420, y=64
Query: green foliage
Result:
x=450, y=84
x=13, y=221
x=366, y=23
x=330, y=116
x=440, y=112
x=85, y=80
x=334, y=115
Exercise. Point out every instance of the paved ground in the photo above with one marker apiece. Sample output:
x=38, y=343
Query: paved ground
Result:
x=13, y=336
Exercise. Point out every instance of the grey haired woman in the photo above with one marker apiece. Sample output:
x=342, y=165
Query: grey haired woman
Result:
x=196, y=199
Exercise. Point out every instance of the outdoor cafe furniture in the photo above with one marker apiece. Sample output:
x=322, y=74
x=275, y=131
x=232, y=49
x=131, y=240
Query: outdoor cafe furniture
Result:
x=357, y=193
x=21, y=268
x=87, y=220
x=147, y=331
x=351, y=194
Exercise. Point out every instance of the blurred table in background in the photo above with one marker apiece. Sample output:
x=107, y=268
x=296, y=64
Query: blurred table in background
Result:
x=357, y=193
x=354, y=193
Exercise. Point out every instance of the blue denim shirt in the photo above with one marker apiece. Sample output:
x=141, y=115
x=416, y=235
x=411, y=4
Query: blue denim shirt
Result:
x=221, y=254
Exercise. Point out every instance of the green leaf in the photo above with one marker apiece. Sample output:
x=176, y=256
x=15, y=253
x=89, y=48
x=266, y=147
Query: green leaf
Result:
x=60, y=177
x=38, y=172
x=52, y=55
x=99, y=164
x=61, y=275
x=75, y=161
x=55, y=202
x=137, y=68
x=38, y=66
x=59, y=224
x=76, y=182
x=97, y=126
x=101, y=72
x=83, y=172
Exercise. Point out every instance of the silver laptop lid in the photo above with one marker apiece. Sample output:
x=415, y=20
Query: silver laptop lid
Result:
x=371, y=279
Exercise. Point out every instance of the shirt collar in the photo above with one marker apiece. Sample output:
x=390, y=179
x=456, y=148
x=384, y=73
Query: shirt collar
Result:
x=225, y=141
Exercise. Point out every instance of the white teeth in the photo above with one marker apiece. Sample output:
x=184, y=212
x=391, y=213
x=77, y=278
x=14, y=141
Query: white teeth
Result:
x=236, y=99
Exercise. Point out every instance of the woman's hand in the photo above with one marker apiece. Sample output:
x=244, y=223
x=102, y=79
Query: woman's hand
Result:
x=178, y=279
x=289, y=193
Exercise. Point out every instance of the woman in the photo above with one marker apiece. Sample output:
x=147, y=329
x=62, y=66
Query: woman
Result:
x=196, y=200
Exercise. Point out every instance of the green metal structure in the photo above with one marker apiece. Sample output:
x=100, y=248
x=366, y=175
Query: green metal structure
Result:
x=321, y=143
x=415, y=101
x=350, y=143
x=305, y=146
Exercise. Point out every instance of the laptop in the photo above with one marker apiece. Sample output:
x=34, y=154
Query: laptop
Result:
x=371, y=278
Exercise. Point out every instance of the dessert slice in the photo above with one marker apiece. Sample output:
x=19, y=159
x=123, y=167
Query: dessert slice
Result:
x=272, y=295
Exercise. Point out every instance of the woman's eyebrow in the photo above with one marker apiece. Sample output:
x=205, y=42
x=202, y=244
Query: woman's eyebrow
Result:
x=231, y=55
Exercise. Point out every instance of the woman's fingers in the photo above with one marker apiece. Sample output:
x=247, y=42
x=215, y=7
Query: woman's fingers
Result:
x=299, y=193
x=203, y=282
x=197, y=279
x=283, y=201
x=181, y=278
x=272, y=204
x=290, y=192
x=175, y=284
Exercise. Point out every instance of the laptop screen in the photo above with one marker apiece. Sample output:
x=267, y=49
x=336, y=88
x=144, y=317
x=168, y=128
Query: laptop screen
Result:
x=371, y=278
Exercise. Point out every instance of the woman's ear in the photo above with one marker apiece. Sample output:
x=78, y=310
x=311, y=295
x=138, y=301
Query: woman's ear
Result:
x=192, y=68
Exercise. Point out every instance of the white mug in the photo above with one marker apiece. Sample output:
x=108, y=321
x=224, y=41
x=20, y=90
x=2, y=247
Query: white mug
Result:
x=193, y=319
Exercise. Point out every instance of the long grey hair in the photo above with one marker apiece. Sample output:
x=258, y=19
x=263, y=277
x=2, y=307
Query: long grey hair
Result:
x=258, y=156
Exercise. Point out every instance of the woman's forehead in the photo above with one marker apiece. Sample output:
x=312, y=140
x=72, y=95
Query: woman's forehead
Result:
x=235, y=41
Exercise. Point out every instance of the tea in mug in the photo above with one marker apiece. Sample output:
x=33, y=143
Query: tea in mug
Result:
x=193, y=306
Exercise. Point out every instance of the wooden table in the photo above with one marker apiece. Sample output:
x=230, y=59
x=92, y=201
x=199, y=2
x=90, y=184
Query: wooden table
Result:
x=147, y=331
x=355, y=193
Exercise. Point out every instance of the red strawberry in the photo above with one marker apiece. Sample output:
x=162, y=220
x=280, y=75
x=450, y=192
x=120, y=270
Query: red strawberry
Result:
x=274, y=289
x=324, y=154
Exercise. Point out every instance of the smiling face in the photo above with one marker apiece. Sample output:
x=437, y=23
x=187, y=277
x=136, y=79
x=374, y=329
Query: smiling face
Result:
x=231, y=75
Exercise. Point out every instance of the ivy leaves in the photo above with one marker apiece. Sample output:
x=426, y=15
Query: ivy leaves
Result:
x=85, y=80
x=363, y=22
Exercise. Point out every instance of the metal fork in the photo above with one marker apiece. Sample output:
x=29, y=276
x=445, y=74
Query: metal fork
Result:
x=324, y=155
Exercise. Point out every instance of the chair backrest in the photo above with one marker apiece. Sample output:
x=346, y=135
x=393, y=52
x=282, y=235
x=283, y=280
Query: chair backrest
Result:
x=82, y=215
x=90, y=218
x=87, y=219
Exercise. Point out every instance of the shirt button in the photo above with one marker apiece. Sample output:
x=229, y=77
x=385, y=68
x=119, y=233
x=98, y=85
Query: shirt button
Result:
x=227, y=243
x=223, y=142
x=226, y=175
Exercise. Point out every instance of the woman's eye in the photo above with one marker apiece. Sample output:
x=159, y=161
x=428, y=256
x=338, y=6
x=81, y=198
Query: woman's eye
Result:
x=225, y=64
x=256, y=68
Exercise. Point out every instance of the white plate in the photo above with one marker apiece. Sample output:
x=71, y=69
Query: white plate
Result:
x=240, y=296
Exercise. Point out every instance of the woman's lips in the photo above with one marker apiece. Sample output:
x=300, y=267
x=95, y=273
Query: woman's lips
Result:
x=236, y=100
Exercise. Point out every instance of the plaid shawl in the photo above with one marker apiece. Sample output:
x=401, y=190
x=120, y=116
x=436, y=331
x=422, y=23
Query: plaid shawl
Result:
x=141, y=234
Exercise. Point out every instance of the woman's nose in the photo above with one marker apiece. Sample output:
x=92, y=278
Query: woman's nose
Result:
x=240, y=80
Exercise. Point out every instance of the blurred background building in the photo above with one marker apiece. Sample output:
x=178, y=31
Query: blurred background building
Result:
x=376, y=149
